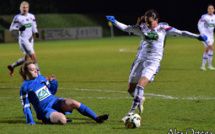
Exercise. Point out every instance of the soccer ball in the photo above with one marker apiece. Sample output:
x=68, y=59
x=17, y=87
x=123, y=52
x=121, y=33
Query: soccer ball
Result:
x=132, y=121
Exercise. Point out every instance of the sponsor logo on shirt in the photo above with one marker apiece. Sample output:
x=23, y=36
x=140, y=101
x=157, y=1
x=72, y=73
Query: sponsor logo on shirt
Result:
x=28, y=25
x=151, y=36
x=42, y=93
x=210, y=25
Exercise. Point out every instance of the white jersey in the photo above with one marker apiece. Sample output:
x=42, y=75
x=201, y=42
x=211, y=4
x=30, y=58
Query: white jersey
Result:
x=29, y=22
x=206, y=25
x=152, y=45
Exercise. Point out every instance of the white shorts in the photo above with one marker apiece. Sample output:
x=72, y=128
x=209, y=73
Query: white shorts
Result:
x=27, y=46
x=210, y=41
x=146, y=68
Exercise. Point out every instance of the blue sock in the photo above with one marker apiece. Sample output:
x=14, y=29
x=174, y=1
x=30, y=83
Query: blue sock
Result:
x=86, y=111
x=69, y=112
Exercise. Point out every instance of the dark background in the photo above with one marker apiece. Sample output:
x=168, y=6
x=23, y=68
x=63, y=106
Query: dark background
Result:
x=182, y=14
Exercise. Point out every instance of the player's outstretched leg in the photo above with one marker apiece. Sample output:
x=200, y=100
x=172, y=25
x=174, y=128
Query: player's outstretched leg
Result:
x=102, y=118
x=86, y=111
x=140, y=108
x=11, y=70
x=15, y=64
x=138, y=97
x=70, y=104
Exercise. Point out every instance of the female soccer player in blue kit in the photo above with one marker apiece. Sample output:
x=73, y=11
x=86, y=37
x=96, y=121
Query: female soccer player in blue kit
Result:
x=39, y=91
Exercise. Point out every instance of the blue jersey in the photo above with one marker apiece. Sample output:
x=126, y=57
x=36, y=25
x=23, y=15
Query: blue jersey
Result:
x=39, y=92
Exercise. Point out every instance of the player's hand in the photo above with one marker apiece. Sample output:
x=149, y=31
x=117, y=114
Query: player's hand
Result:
x=111, y=19
x=37, y=35
x=52, y=77
x=22, y=28
x=202, y=37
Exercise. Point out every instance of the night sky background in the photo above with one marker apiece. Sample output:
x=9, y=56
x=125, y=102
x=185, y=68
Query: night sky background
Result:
x=181, y=14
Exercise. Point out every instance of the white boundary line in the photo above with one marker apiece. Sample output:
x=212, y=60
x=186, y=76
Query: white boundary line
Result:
x=127, y=50
x=147, y=95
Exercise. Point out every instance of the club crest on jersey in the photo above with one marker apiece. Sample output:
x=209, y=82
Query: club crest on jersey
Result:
x=42, y=93
x=151, y=36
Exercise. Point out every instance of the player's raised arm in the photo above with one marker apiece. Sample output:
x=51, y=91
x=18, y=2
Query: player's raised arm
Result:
x=52, y=84
x=127, y=28
x=174, y=31
x=26, y=106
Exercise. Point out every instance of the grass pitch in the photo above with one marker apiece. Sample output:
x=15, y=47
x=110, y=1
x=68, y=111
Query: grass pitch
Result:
x=95, y=72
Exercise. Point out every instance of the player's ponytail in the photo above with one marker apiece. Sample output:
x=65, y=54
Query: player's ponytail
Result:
x=140, y=20
x=24, y=68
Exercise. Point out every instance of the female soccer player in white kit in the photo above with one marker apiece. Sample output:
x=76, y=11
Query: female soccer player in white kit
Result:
x=206, y=26
x=150, y=53
x=25, y=23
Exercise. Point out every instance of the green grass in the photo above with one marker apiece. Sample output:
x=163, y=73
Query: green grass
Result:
x=99, y=68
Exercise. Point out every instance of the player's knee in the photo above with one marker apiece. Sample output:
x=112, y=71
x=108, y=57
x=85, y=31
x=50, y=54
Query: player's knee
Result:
x=143, y=81
x=207, y=49
x=58, y=118
x=62, y=120
x=73, y=104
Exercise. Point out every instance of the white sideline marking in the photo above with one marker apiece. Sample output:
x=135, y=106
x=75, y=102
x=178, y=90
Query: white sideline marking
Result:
x=147, y=95
x=127, y=50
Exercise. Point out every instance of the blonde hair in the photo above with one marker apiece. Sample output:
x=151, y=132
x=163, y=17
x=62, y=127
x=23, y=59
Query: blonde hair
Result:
x=24, y=68
x=22, y=4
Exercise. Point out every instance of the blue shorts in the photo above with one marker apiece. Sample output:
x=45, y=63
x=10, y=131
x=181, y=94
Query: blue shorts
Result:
x=51, y=107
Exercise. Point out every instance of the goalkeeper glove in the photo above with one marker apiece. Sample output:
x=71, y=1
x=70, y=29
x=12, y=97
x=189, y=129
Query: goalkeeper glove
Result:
x=111, y=19
x=37, y=35
x=22, y=28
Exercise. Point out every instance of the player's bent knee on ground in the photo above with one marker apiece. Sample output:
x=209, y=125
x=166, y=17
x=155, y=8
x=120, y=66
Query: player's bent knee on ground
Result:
x=58, y=118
